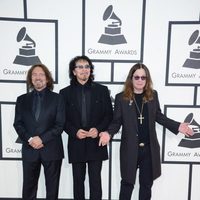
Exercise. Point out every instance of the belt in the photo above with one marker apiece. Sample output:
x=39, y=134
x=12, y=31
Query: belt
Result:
x=142, y=144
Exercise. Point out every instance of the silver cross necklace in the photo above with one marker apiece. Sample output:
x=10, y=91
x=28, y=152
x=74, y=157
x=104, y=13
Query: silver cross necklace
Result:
x=140, y=111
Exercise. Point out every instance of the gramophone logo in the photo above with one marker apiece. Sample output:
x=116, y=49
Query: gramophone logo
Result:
x=112, y=33
x=27, y=51
x=193, y=141
x=194, y=59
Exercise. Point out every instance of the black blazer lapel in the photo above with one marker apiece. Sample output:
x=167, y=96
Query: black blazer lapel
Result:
x=74, y=100
x=30, y=104
x=133, y=114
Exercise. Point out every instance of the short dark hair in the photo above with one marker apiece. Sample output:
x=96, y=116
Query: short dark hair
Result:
x=72, y=66
x=47, y=74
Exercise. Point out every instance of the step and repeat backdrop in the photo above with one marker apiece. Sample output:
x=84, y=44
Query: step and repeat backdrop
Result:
x=116, y=34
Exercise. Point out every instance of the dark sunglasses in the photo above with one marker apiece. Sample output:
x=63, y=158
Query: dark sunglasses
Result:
x=143, y=78
x=81, y=66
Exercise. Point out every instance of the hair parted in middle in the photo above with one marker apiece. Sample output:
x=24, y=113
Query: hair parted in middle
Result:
x=72, y=66
x=128, y=91
x=47, y=74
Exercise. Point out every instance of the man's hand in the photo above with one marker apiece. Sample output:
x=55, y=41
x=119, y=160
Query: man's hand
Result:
x=104, y=138
x=93, y=133
x=185, y=129
x=36, y=142
x=81, y=134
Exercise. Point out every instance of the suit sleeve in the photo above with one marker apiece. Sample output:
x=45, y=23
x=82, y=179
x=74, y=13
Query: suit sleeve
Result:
x=18, y=122
x=117, y=117
x=69, y=128
x=162, y=119
x=108, y=111
x=56, y=129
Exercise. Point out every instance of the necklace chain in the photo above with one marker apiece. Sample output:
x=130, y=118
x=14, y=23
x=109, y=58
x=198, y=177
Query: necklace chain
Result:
x=140, y=111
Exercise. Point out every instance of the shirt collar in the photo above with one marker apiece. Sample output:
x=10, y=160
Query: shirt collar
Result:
x=41, y=93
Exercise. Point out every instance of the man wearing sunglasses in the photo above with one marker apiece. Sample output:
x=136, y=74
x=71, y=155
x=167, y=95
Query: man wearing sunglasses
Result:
x=88, y=112
x=137, y=110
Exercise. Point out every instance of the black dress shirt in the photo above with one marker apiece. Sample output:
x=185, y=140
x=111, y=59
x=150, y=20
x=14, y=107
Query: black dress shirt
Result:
x=83, y=93
x=143, y=128
x=35, y=109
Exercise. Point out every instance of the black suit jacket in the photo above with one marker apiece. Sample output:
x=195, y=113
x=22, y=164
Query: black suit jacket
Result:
x=100, y=116
x=48, y=127
x=125, y=116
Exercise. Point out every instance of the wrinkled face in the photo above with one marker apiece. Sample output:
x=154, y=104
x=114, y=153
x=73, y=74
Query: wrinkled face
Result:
x=139, y=81
x=39, y=78
x=82, y=71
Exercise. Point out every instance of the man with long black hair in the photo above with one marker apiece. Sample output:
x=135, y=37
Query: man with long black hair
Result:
x=88, y=112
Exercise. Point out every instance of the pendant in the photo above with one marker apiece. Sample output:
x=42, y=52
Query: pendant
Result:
x=140, y=118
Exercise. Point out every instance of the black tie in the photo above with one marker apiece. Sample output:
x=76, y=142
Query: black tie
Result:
x=84, y=115
x=38, y=105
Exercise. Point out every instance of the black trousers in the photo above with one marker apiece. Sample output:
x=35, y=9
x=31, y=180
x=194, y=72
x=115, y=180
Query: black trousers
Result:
x=31, y=173
x=94, y=173
x=145, y=177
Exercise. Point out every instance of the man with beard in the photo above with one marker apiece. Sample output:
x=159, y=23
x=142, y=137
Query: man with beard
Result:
x=39, y=121
x=88, y=112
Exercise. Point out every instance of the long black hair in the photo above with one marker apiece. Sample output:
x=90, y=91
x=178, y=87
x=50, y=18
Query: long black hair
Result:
x=72, y=66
